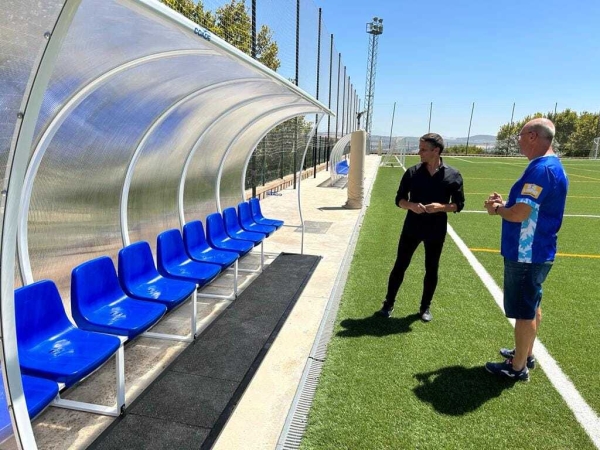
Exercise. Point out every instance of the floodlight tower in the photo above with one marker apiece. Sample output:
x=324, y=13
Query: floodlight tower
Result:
x=374, y=29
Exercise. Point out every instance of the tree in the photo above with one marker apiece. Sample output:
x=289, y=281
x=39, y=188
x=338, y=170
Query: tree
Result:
x=235, y=25
x=267, y=49
x=506, y=139
x=462, y=150
x=232, y=23
x=574, y=136
x=204, y=18
x=581, y=140
x=194, y=12
x=183, y=7
x=565, y=123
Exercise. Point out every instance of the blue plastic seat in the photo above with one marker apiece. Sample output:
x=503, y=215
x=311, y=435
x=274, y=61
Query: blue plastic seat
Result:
x=98, y=302
x=173, y=261
x=342, y=167
x=248, y=223
x=39, y=393
x=198, y=249
x=258, y=216
x=50, y=346
x=140, y=279
x=234, y=230
x=217, y=238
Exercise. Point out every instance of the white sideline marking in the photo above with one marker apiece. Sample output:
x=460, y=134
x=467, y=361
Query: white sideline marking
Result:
x=584, y=414
x=581, y=215
x=460, y=159
x=591, y=216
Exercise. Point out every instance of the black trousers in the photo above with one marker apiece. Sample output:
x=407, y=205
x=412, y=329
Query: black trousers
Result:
x=406, y=248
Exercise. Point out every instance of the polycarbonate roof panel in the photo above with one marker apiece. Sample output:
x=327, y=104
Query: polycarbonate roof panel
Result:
x=178, y=134
x=23, y=24
x=135, y=91
x=235, y=162
x=84, y=166
x=199, y=201
x=106, y=35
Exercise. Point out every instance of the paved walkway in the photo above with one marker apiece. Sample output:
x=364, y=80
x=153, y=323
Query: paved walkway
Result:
x=260, y=416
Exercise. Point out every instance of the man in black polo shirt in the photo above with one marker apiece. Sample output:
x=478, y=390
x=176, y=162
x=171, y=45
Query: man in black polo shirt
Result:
x=428, y=191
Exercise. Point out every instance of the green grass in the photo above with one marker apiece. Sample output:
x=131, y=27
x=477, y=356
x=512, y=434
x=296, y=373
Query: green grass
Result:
x=570, y=327
x=400, y=383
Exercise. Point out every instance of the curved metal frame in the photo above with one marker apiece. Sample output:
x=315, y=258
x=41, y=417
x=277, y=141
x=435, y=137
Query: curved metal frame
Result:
x=236, y=138
x=253, y=147
x=336, y=154
x=309, y=138
x=300, y=179
x=157, y=122
x=50, y=132
x=233, y=108
x=32, y=103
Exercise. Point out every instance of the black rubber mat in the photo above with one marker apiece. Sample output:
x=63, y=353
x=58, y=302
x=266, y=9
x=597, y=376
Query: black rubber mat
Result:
x=188, y=405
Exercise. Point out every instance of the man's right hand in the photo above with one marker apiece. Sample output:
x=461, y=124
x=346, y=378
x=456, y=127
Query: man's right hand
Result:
x=494, y=198
x=418, y=208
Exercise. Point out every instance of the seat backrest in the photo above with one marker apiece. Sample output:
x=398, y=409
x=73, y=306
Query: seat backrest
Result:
x=194, y=237
x=231, y=221
x=39, y=313
x=93, y=284
x=244, y=214
x=215, y=230
x=255, y=208
x=5, y=423
x=169, y=248
x=136, y=264
x=342, y=167
x=39, y=392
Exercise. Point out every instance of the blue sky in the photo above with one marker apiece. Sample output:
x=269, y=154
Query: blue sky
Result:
x=453, y=53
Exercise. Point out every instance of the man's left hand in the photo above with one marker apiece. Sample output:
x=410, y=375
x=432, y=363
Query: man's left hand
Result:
x=434, y=208
x=491, y=207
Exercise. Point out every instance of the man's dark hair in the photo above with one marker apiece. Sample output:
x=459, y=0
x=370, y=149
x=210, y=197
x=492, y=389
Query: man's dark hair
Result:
x=435, y=139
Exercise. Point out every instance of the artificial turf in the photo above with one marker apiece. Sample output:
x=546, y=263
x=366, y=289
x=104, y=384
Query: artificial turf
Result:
x=400, y=383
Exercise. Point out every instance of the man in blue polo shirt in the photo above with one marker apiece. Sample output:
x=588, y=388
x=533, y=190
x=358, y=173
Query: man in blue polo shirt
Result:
x=531, y=219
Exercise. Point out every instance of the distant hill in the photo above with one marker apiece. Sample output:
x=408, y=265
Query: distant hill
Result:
x=478, y=138
x=412, y=142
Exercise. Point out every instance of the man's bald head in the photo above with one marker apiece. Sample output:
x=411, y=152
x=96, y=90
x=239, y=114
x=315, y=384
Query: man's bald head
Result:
x=535, y=138
x=543, y=127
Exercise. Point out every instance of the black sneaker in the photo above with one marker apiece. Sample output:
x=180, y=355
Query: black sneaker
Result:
x=425, y=315
x=386, y=310
x=509, y=353
x=505, y=369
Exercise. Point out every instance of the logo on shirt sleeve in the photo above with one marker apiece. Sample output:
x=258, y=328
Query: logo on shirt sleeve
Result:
x=533, y=190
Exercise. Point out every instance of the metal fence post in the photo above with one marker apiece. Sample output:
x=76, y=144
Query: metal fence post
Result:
x=296, y=82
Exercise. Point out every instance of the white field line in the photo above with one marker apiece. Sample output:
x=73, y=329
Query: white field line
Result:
x=584, y=414
x=564, y=215
x=461, y=159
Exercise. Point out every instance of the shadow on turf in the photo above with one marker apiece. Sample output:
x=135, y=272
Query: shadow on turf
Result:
x=377, y=326
x=457, y=390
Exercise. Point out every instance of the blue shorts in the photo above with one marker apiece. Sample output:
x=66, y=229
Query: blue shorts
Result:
x=523, y=288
